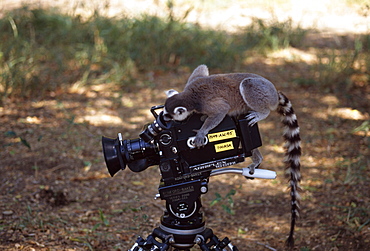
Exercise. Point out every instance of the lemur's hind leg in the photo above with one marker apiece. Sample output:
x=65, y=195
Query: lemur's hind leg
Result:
x=256, y=160
x=261, y=97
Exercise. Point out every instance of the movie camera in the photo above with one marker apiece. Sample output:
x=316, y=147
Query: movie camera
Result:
x=185, y=172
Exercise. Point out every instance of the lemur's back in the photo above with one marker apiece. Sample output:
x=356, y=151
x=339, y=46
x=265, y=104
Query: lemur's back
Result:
x=220, y=83
x=228, y=87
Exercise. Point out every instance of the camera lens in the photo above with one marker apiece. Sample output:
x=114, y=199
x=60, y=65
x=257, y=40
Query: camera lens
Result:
x=139, y=149
x=136, y=154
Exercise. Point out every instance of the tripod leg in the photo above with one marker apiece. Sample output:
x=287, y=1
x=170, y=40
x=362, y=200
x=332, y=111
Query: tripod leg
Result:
x=151, y=244
x=207, y=241
x=227, y=243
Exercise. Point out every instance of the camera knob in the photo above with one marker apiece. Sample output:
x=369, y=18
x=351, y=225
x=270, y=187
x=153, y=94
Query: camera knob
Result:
x=165, y=166
x=165, y=139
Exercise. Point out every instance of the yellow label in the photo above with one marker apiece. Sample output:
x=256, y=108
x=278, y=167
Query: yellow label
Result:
x=221, y=135
x=224, y=146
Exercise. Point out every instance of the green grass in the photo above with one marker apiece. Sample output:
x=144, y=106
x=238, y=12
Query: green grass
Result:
x=272, y=35
x=43, y=50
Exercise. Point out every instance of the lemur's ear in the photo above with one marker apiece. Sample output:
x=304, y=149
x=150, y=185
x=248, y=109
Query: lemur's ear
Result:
x=180, y=110
x=200, y=71
x=171, y=92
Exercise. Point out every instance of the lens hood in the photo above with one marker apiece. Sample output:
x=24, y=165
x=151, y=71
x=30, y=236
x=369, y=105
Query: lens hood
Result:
x=112, y=155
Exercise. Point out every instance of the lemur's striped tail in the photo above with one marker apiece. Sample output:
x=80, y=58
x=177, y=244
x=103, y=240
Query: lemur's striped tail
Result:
x=292, y=157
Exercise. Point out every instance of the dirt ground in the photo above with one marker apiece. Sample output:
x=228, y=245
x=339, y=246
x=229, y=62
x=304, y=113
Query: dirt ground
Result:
x=56, y=193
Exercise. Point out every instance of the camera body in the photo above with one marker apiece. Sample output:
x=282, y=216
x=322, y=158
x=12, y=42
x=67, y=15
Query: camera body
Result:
x=225, y=145
x=169, y=145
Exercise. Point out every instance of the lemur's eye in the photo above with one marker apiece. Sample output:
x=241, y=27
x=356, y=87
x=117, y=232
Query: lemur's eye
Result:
x=180, y=110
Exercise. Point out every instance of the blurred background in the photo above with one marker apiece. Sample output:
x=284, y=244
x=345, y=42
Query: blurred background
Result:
x=72, y=71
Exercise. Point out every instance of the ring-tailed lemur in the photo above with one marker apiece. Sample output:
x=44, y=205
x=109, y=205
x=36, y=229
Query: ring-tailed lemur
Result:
x=236, y=94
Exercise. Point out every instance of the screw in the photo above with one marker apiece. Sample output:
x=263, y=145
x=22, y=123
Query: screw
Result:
x=203, y=189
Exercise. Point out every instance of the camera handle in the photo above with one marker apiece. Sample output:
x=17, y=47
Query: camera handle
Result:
x=258, y=173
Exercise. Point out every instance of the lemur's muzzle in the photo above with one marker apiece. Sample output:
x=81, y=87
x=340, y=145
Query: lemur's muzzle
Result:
x=167, y=117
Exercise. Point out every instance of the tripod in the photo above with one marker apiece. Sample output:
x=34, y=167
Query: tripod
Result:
x=182, y=233
x=182, y=223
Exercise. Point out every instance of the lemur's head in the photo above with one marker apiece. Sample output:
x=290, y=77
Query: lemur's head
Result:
x=174, y=107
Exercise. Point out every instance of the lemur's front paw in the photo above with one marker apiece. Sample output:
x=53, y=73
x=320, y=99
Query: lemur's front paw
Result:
x=199, y=140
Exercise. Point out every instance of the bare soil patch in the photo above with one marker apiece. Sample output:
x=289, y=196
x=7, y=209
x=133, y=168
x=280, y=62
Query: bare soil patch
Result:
x=56, y=194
